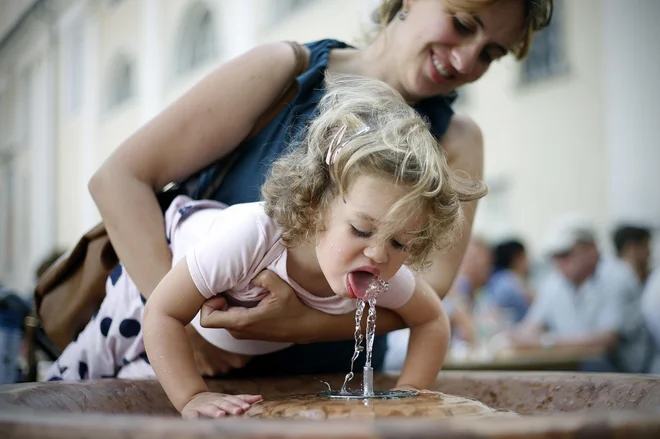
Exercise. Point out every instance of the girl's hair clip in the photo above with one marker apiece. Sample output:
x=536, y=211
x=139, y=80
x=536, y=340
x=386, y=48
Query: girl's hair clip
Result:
x=336, y=144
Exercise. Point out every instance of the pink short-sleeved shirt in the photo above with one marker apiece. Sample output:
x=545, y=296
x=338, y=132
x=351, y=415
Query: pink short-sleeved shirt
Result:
x=226, y=247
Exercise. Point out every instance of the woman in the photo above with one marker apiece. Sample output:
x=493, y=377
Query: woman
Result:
x=426, y=49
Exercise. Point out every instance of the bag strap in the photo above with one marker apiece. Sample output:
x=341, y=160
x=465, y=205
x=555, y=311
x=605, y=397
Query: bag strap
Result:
x=302, y=64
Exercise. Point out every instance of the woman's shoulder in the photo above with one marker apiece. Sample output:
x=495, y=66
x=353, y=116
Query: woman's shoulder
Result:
x=319, y=56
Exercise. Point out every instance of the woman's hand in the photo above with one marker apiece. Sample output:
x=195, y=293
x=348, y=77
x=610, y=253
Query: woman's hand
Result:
x=217, y=405
x=280, y=316
x=210, y=360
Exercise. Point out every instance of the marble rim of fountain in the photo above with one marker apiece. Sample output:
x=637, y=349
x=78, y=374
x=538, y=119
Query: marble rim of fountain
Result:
x=625, y=406
x=602, y=424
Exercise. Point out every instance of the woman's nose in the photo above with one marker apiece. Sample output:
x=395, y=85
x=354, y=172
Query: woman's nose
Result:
x=465, y=57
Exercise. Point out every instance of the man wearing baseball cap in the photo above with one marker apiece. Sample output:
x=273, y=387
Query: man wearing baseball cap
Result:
x=580, y=304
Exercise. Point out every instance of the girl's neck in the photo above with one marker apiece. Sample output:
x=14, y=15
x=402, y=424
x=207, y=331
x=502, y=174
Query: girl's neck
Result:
x=303, y=267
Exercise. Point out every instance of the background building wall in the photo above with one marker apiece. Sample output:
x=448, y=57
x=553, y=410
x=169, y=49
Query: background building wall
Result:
x=581, y=138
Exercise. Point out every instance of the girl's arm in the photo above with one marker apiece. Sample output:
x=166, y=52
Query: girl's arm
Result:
x=202, y=126
x=173, y=304
x=429, y=339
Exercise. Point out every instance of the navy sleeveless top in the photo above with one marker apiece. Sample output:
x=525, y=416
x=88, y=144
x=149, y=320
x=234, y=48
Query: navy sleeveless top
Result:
x=243, y=182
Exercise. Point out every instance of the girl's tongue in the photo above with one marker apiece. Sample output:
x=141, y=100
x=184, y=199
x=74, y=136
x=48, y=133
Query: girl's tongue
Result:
x=360, y=281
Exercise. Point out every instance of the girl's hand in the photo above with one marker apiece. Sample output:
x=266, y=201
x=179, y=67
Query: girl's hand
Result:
x=217, y=405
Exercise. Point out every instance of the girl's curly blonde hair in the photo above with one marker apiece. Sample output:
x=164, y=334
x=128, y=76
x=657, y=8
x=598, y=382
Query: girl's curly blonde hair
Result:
x=398, y=145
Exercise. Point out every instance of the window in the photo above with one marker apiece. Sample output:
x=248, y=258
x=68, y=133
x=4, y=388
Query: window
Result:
x=547, y=55
x=4, y=119
x=73, y=68
x=197, y=43
x=7, y=227
x=6, y=179
x=283, y=8
x=120, y=81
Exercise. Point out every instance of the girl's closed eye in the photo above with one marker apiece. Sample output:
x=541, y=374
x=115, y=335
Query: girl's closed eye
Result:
x=398, y=246
x=360, y=233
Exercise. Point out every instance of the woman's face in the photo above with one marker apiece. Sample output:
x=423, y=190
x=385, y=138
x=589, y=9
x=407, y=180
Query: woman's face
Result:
x=438, y=51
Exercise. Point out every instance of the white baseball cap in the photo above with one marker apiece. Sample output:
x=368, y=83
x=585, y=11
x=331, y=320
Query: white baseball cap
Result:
x=566, y=232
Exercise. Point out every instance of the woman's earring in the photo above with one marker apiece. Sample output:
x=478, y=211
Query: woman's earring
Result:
x=402, y=16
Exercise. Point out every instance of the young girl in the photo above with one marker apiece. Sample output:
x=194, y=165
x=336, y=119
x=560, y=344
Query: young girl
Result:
x=366, y=191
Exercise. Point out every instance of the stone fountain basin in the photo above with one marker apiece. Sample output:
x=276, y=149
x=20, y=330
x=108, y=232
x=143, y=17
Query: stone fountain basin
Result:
x=553, y=405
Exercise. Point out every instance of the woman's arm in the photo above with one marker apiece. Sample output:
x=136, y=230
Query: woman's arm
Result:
x=429, y=339
x=463, y=144
x=202, y=126
x=281, y=316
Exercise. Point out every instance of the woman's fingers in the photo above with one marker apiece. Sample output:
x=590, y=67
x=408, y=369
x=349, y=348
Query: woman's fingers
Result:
x=235, y=318
x=270, y=281
x=216, y=302
x=277, y=317
x=214, y=315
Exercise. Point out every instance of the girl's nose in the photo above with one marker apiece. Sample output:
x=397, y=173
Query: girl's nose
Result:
x=377, y=253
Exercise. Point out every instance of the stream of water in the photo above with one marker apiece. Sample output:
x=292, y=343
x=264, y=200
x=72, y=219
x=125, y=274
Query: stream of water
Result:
x=376, y=287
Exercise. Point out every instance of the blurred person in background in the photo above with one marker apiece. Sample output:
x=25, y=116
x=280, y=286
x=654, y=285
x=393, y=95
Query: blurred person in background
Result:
x=460, y=302
x=633, y=248
x=651, y=312
x=508, y=287
x=584, y=304
x=465, y=295
x=425, y=49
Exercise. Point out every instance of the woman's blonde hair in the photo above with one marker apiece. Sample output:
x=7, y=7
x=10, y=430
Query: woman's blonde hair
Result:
x=538, y=14
x=397, y=145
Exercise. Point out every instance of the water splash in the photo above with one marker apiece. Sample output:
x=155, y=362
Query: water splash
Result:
x=376, y=287
x=358, y=343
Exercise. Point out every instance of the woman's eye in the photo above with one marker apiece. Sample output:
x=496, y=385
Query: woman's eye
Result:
x=360, y=233
x=462, y=27
x=487, y=57
x=397, y=245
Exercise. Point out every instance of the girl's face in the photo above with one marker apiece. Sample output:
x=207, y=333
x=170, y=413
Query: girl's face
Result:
x=438, y=51
x=347, y=251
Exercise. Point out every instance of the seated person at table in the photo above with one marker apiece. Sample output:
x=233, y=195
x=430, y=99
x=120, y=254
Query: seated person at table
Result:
x=580, y=304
